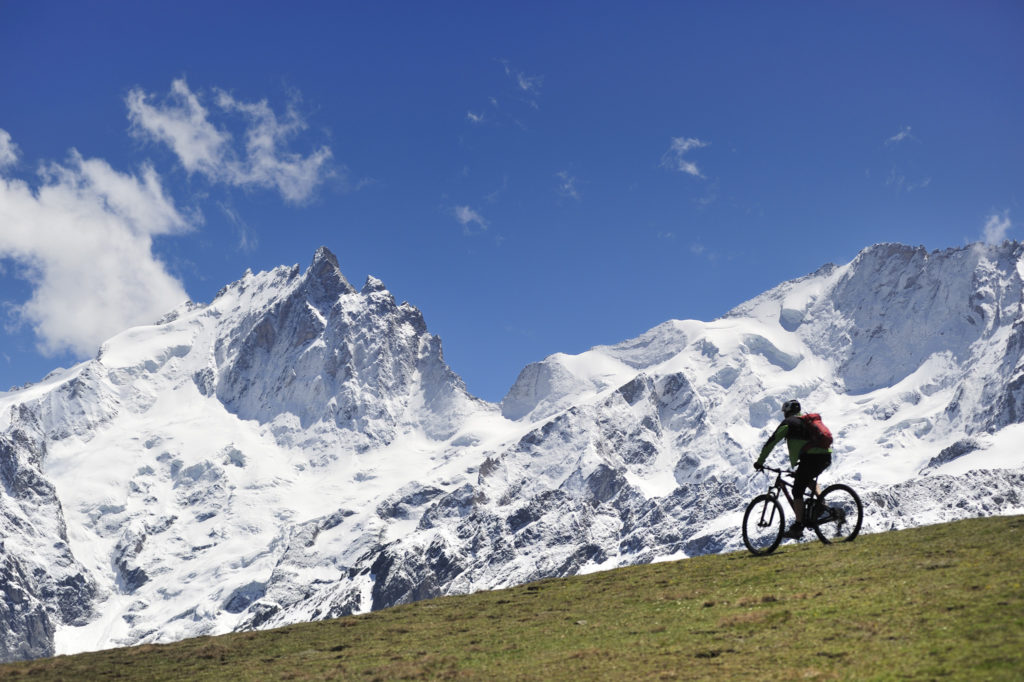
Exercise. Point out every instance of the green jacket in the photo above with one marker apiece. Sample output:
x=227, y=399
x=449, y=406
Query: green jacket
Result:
x=791, y=429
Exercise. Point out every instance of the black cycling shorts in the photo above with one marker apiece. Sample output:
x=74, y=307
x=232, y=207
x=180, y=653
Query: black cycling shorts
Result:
x=810, y=467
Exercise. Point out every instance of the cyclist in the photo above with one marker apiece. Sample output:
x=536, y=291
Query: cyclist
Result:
x=809, y=461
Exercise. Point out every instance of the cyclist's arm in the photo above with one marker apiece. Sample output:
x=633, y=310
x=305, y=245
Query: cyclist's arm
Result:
x=779, y=434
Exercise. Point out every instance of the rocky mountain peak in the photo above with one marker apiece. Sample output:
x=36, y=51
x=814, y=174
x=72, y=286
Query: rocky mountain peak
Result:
x=324, y=277
x=372, y=285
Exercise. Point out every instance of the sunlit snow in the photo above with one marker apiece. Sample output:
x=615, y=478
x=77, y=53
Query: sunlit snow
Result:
x=297, y=449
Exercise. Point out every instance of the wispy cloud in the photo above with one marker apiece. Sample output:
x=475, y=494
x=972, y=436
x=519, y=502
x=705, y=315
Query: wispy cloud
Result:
x=903, y=134
x=524, y=90
x=83, y=239
x=898, y=177
x=567, y=185
x=528, y=84
x=527, y=87
x=467, y=217
x=902, y=183
x=8, y=150
x=996, y=227
x=247, y=241
x=182, y=122
x=492, y=197
x=701, y=251
x=674, y=159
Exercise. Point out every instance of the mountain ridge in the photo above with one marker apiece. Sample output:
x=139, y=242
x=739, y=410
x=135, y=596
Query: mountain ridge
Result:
x=297, y=449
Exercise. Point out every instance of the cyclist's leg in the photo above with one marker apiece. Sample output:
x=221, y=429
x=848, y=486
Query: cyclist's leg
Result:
x=810, y=467
x=801, y=480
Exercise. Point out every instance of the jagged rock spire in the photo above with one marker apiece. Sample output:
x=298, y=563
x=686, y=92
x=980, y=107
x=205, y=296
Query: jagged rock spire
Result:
x=324, y=275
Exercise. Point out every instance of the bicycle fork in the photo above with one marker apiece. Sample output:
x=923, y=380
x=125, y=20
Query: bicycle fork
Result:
x=770, y=505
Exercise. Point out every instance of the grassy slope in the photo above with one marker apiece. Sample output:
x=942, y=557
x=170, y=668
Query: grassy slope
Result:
x=924, y=603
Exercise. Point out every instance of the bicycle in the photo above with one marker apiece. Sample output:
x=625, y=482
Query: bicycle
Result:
x=835, y=515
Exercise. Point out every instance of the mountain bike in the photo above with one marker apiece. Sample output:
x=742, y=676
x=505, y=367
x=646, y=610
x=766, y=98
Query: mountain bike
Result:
x=835, y=514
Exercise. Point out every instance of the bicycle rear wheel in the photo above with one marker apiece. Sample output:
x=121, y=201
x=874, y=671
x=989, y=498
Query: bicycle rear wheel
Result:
x=762, y=525
x=841, y=514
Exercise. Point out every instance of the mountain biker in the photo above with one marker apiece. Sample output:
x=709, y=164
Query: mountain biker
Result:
x=809, y=461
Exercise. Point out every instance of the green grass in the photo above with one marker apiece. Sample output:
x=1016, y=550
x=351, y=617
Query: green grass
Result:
x=938, y=602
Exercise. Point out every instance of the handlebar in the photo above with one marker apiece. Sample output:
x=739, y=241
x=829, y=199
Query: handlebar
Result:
x=785, y=472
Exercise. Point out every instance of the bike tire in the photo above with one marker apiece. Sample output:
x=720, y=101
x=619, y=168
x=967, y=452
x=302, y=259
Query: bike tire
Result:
x=845, y=513
x=762, y=525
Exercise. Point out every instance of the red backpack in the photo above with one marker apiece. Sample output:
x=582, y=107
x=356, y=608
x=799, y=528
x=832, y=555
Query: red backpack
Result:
x=818, y=435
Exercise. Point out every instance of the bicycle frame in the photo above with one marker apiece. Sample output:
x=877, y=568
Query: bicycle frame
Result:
x=787, y=486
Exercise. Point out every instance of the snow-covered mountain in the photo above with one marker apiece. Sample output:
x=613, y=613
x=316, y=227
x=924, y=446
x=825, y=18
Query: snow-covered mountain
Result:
x=298, y=449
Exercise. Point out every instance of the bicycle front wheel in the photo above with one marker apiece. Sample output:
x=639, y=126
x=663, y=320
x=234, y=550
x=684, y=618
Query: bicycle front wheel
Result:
x=840, y=514
x=762, y=525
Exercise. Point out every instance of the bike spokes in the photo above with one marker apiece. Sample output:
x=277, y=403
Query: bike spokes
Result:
x=843, y=515
x=762, y=525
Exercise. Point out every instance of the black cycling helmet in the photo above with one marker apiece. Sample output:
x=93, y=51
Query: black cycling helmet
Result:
x=791, y=407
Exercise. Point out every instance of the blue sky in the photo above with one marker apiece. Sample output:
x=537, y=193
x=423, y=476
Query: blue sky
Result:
x=535, y=177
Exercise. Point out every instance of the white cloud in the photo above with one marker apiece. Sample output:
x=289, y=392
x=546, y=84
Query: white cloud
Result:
x=183, y=123
x=247, y=241
x=701, y=251
x=83, y=239
x=902, y=183
x=996, y=227
x=527, y=88
x=567, y=185
x=529, y=84
x=475, y=118
x=680, y=146
x=467, y=217
x=491, y=197
x=8, y=150
x=903, y=134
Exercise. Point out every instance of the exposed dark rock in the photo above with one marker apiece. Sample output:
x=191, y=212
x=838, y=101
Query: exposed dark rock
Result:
x=242, y=597
x=26, y=630
x=954, y=451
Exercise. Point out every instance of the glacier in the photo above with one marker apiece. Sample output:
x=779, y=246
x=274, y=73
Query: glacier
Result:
x=298, y=449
